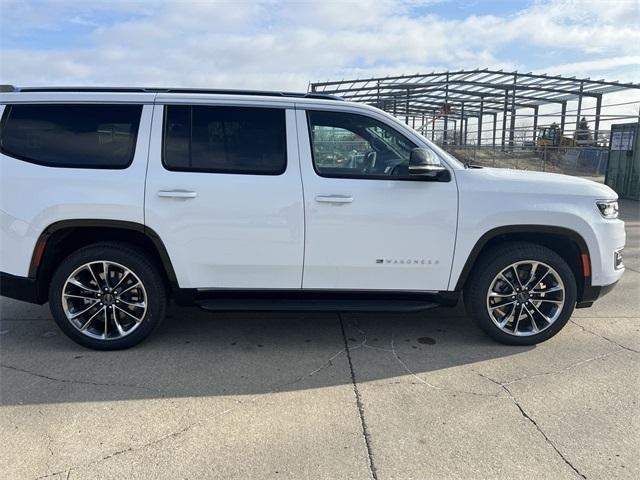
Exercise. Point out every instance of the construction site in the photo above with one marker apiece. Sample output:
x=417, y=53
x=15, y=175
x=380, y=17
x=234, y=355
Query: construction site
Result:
x=529, y=121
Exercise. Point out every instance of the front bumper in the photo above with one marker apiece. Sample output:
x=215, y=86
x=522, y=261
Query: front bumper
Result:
x=592, y=293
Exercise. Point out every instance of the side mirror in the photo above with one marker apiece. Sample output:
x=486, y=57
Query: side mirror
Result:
x=424, y=162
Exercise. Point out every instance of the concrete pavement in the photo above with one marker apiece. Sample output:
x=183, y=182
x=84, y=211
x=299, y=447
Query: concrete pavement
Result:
x=327, y=396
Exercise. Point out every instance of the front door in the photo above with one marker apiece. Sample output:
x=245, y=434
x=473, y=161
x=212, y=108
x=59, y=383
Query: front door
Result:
x=369, y=225
x=223, y=193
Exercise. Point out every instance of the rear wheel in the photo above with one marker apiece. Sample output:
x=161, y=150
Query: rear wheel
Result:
x=521, y=293
x=107, y=296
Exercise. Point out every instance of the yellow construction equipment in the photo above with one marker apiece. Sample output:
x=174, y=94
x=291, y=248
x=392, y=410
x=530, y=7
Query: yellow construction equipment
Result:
x=551, y=136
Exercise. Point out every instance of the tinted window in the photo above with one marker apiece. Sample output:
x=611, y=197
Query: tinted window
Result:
x=225, y=139
x=350, y=145
x=71, y=135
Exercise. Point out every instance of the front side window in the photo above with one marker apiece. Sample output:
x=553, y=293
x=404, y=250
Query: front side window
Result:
x=357, y=146
x=71, y=135
x=224, y=139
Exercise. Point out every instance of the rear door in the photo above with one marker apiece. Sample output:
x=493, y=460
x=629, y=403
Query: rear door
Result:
x=369, y=225
x=223, y=192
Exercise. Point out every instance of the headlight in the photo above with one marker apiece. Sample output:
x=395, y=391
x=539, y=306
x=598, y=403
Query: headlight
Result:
x=608, y=208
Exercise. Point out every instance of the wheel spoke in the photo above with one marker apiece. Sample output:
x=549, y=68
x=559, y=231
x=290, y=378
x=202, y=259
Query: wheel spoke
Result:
x=500, y=295
x=532, y=274
x=515, y=272
x=93, y=275
x=534, y=327
x=118, y=326
x=513, y=289
x=79, y=284
x=124, y=275
x=542, y=278
x=81, y=312
x=134, y=304
x=557, y=302
x=495, y=307
x=130, y=314
x=69, y=295
x=86, y=324
x=105, y=272
x=106, y=322
x=557, y=288
x=507, y=318
x=517, y=324
x=130, y=288
x=546, y=318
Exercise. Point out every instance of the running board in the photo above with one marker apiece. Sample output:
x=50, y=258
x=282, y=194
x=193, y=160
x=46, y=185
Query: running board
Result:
x=315, y=301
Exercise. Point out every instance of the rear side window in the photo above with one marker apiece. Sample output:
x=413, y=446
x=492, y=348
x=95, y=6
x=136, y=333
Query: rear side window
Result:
x=215, y=139
x=71, y=135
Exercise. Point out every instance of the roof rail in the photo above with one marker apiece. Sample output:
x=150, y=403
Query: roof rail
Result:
x=269, y=93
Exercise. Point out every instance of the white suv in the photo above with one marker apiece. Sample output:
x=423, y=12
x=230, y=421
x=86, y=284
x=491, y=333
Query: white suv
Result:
x=114, y=200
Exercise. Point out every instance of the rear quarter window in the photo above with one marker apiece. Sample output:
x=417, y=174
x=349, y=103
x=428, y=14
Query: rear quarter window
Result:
x=71, y=135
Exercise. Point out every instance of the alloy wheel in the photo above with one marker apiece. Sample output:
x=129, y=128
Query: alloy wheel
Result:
x=525, y=298
x=104, y=300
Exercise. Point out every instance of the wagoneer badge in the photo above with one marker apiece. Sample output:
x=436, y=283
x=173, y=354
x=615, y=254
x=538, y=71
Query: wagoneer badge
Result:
x=409, y=261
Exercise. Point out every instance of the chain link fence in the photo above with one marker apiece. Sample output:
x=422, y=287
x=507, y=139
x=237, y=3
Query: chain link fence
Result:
x=590, y=162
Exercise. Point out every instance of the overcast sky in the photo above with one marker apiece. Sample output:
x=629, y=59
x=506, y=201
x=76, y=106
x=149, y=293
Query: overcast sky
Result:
x=283, y=45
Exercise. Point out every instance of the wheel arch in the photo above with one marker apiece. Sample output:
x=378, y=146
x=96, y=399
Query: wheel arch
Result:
x=567, y=243
x=62, y=238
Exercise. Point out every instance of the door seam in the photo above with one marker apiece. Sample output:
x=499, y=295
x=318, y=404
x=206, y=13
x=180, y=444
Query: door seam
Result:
x=304, y=202
x=146, y=170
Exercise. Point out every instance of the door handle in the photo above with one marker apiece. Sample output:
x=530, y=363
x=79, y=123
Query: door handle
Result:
x=177, y=194
x=334, y=199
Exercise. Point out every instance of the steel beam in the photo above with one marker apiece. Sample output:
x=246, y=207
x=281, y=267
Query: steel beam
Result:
x=495, y=120
x=512, y=123
x=504, y=117
x=596, y=128
x=466, y=129
x=446, y=115
x=479, y=143
x=406, y=118
x=579, y=109
x=461, y=120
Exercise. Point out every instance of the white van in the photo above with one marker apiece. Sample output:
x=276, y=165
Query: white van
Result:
x=114, y=200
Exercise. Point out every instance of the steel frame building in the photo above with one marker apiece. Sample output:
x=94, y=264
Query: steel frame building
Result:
x=458, y=96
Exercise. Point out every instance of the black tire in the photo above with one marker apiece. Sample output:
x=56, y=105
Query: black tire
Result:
x=133, y=259
x=495, y=261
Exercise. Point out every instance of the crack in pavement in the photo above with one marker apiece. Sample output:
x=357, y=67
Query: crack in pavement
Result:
x=189, y=427
x=535, y=424
x=431, y=385
x=324, y=366
x=134, y=448
x=328, y=363
x=562, y=370
x=77, y=382
x=365, y=429
x=603, y=337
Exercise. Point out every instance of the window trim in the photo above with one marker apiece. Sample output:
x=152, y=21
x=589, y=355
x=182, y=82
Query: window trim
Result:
x=7, y=112
x=414, y=178
x=212, y=170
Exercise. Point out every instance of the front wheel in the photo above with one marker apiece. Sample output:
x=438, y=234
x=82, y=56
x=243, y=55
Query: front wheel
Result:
x=521, y=293
x=107, y=296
